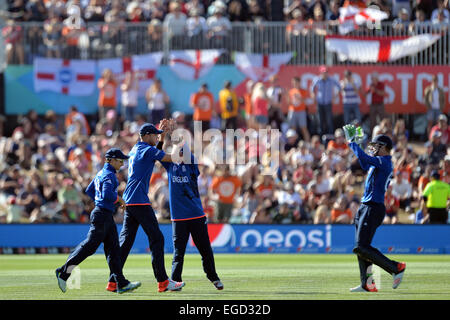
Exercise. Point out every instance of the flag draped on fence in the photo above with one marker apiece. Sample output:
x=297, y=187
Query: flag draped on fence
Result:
x=193, y=64
x=71, y=77
x=144, y=66
x=260, y=67
x=350, y=18
x=378, y=49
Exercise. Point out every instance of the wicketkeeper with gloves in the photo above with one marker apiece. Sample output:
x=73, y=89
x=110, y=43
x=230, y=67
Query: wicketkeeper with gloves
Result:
x=371, y=212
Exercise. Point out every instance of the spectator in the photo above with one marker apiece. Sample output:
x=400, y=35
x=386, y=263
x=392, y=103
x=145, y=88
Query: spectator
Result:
x=322, y=215
x=228, y=106
x=338, y=144
x=399, y=130
x=195, y=5
x=76, y=116
x=260, y=106
x=248, y=106
x=224, y=188
x=13, y=37
x=434, y=200
x=297, y=114
x=15, y=213
x=384, y=127
x=333, y=11
x=70, y=199
x=275, y=94
x=350, y=98
x=219, y=27
x=73, y=27
x=402, y=22
x=435, y=102
x=196, y=26
x=341, y=213
x=402, y=190
x=52, y=37
x=439, y=149
x=175, y=25
x=377, y=92
x=157, y=102
x=95, y=11
x=107, y=98
x=202, y=102
x=440, y=9
x=292, y=140
x=440, y=18
x=442, y=127
x=261, y=216
x=322, y=91
x=392, y=205
x=129, y=97
x=154, y=36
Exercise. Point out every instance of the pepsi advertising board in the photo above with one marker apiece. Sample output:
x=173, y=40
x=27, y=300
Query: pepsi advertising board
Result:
x=244, y=238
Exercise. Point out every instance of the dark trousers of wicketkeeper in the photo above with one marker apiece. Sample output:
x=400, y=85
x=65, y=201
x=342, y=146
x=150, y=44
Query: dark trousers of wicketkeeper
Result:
x=369, y=217
x=144, y=216
x=102, y=229
x=199, y=230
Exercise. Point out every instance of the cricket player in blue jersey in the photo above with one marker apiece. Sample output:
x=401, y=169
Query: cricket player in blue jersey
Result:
x=139, y=211
x=103, y=190
x=187, y=215
x=371, y=213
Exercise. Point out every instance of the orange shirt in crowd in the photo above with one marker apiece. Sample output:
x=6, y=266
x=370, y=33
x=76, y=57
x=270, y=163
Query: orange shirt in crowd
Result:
x=264, y=190
x=108, y=94
x=72, y=116
x=226, y=188
x=204, y=102
x=297, y=99
x=338, y=146
x=335, y=214
x=248, y=103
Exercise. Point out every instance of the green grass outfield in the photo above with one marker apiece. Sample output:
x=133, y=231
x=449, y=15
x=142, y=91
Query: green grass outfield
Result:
x=245, y=276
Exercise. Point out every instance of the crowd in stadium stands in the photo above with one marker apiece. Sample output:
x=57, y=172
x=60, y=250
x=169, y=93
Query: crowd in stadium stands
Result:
x=48, y=161
x=67, y=23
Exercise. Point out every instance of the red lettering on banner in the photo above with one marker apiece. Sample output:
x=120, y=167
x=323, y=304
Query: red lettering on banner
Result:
x=404, y=85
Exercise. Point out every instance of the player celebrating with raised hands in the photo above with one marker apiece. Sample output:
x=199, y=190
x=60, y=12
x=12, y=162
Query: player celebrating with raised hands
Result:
x=187, y=214
x=371, y=212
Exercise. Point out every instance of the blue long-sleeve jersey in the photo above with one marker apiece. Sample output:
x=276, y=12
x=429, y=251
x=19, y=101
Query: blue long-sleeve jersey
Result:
x=378, y=177
x=184, y=199
x=103, y=188
x=140, y=168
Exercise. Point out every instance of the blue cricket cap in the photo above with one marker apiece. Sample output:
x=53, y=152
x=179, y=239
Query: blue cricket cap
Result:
x=115, y=153
x=148, y=128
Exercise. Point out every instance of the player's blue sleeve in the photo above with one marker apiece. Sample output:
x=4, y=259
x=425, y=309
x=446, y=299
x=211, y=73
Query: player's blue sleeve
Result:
x=90, y=190
x=166, y=165
x=109, y=193
x=364, y=159
x=153, y=154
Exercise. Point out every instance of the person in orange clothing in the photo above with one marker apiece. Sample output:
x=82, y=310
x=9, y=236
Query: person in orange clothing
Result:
x=338, y=144
x=297, y=117
x=340, y=213
x=75, y=115
x=202, y=102
x=248, y=103
x=107, y=98
x=224, y=188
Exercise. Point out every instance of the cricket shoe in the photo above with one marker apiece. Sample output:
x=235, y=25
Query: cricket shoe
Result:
x=398, y=276
x=61, y=282
x=129, y=287
x=365, y=288
x=218, y=284
x=112, y=286
x=170, y=285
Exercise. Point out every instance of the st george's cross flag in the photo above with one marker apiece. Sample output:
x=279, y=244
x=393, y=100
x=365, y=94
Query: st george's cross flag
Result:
x=144, y=66
x=70, y=77
x=378, y=49
x=193, y=64
x=260, y=67
x=351, y=17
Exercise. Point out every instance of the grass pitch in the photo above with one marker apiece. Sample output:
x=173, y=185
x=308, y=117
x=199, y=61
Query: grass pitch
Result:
x=245, y=276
